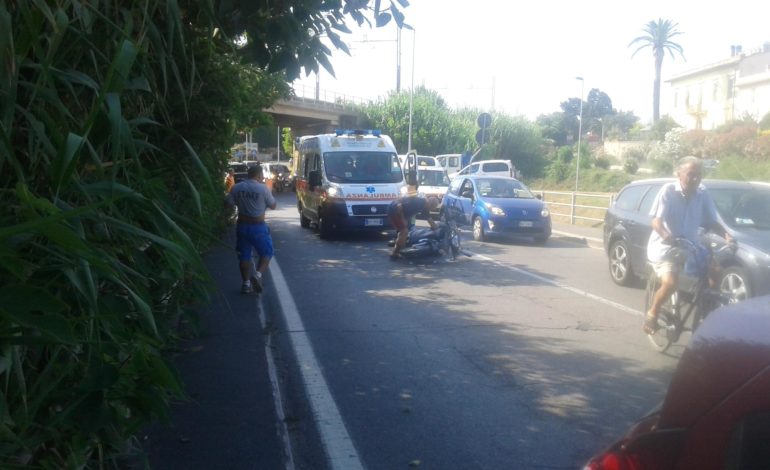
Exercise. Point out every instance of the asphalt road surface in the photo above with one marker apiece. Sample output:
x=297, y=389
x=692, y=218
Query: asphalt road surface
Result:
x=520, y=356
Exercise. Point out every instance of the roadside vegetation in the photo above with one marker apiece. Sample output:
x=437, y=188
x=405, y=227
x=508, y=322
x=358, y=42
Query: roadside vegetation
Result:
x=545, y=151
x=116, y=120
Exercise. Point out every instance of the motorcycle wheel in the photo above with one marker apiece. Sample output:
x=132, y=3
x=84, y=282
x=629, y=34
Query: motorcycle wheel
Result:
x=454, y=244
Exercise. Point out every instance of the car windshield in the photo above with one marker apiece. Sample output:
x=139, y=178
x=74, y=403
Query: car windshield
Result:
x=362, y=167
x=503, y=188
x=495, y=166
x=743, y=207
x=432, y=178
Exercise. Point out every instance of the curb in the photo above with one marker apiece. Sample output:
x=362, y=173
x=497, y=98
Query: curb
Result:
x=588, y=241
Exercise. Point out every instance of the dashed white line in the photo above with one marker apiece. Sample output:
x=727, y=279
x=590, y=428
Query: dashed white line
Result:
x=336, y=441
x=575, y=290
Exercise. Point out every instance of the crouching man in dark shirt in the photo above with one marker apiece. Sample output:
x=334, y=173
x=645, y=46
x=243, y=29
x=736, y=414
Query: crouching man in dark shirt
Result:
x=403, y=209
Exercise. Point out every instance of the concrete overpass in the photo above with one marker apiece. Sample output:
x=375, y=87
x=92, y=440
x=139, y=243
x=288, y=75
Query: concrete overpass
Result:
x=307, y=116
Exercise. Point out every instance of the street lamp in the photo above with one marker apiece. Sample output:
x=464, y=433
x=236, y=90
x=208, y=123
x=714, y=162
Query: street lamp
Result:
x=580, y=131
x=411, y=96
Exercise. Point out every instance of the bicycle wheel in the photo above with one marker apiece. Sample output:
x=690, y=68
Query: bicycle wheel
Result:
x=661, y=339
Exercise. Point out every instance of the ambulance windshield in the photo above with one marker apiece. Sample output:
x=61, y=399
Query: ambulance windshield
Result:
x=362, y=167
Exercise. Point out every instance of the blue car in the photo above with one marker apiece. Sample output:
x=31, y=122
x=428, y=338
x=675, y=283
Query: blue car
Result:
x=496, y=205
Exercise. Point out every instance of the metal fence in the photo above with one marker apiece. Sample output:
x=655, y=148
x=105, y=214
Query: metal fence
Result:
x=577, y=208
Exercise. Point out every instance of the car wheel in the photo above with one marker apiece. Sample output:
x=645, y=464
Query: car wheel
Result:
x=735, y=282
x=324, y=230
x=478, y=229
x=620, y=263
x=304, y=222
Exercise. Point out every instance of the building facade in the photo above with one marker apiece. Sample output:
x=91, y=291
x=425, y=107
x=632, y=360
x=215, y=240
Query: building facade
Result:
x=709, y=96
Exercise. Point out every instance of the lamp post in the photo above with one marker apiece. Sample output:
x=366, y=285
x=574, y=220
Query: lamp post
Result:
x=580, y=131
x=411, y=96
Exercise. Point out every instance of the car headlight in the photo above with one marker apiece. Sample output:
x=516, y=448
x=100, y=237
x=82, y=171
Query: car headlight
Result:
x=545, y=213
x=334, y=191
x=404, y=191
x=495, y=210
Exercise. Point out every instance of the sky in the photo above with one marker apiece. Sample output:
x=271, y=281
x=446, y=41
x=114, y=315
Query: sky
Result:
x=521, y=58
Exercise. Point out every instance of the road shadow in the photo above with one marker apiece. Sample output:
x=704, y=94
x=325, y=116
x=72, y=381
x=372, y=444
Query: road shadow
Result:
x=542, y=376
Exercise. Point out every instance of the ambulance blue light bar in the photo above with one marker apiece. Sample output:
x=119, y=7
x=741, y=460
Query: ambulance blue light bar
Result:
x=374, y=132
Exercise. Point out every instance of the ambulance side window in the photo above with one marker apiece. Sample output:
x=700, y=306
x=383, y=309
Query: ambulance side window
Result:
x=311, y=163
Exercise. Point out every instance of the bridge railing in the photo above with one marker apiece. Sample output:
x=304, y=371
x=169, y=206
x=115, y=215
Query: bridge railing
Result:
x=326, y=98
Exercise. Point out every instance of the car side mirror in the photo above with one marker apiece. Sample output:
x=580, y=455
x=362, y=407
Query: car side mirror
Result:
x=539, y=196
x=314, y=179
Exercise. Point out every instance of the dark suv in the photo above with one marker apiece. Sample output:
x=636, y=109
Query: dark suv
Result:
x=744, y=209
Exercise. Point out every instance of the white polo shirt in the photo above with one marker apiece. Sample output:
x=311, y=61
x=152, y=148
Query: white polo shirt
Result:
x=681, y=216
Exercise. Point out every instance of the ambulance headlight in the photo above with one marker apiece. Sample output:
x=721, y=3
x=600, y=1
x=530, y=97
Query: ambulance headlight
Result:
x=334, y=191
x=404, y=191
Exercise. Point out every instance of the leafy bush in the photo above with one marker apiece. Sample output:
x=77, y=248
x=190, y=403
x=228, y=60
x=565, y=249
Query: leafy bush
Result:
x=630, y=166
x=559, y=171
x=565, y=154
x=602, y=162
x=662, y=167
x=758, y=149
x=694, y=142
x=764, y=123
x=731, y=139
x=635, y=154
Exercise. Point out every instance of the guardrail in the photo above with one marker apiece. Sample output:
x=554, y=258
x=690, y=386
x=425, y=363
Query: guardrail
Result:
x=577, y=208
x=309, y=95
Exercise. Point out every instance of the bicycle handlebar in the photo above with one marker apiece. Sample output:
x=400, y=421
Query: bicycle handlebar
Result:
x=686, y=243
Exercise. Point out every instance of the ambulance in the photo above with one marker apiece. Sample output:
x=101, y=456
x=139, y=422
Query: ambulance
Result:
x=346, y=181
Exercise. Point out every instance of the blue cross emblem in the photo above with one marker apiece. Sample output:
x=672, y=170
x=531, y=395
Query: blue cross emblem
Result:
x=370, y=189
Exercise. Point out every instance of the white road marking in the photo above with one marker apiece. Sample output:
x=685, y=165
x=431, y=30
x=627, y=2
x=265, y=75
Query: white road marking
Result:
x=336, y=441
x=277, y=397
x=575, y=290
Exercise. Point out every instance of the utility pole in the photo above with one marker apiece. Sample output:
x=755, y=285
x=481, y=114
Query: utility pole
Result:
x=580, y=131
x=398, y=60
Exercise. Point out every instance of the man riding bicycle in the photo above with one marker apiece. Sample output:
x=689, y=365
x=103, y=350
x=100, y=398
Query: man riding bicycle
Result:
x=679, y=210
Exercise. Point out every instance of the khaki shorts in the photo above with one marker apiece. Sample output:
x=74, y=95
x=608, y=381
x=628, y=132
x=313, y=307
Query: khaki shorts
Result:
x=665, y=267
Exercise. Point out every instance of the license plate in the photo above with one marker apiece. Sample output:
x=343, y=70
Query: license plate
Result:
x=373, y=222
x=525, y=223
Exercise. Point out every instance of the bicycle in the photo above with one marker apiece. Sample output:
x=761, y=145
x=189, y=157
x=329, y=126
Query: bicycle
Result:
x=692, y=300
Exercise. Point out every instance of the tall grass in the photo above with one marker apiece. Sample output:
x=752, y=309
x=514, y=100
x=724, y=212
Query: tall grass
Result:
x=104, y=208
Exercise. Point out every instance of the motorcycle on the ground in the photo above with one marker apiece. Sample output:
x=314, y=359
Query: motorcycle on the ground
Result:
x=422, y=242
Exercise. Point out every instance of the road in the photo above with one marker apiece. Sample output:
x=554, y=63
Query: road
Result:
x=521, y=356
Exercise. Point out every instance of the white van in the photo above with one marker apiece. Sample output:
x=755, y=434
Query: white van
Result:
x=487, y=167
x=422, y=161
x=432, y=181
x=452, y=162
x=347, y=180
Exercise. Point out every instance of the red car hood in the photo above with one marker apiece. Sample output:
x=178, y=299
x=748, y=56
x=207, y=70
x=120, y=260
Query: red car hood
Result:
x=730, y=348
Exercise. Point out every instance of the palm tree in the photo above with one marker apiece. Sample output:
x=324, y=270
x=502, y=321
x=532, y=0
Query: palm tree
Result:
x=658, y=36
